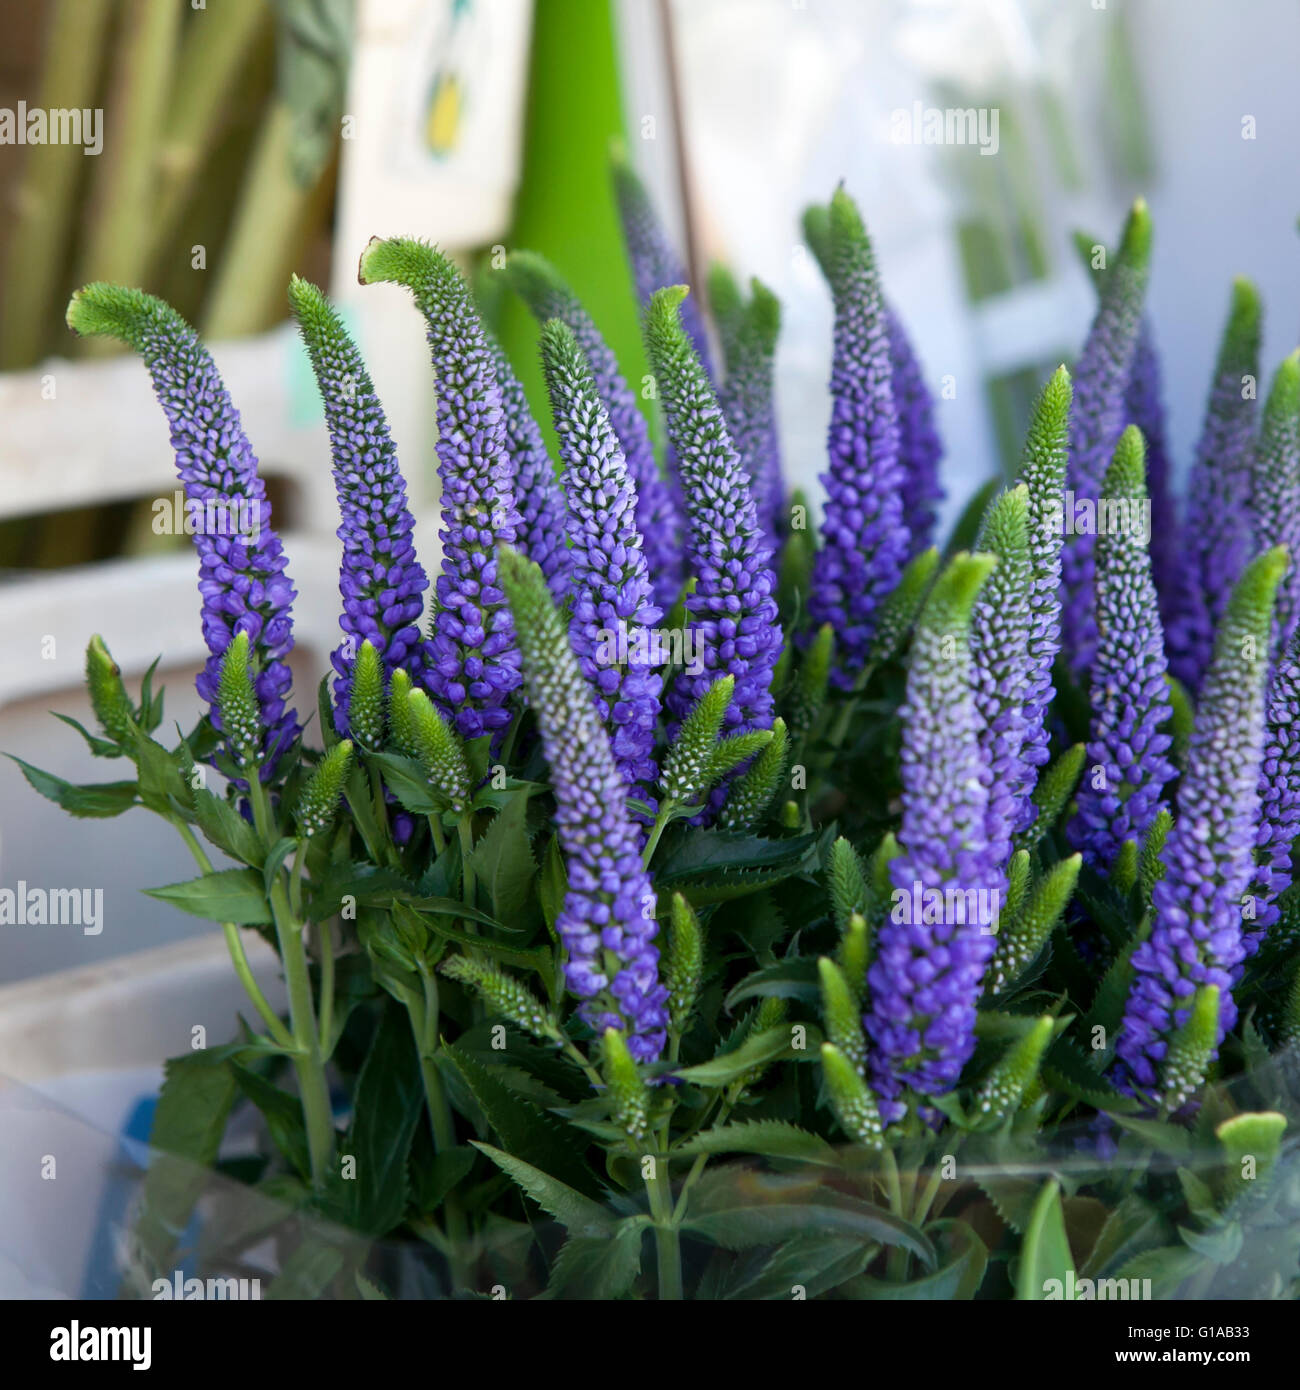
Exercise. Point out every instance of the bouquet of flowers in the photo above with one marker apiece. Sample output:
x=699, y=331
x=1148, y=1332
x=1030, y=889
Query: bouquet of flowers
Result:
x=781, y=916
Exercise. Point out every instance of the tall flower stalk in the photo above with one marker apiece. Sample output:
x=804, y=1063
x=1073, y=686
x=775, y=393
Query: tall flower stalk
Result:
x=613, y=603
x=607, y=920
x=864, y=537
x=1127, y=762
x=1216, y=534
x=919, y=444
x=732, y=608
x=242, y=579
x=1197, y=935
x=1275, y=492
x=924, y=980
x=380, y=579
x=1100, y=382
x=474, y=660
x=658, y=517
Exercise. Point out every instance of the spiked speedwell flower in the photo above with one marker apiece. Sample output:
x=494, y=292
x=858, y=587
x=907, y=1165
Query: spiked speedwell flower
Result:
x=1216, y=537
x=1196, y=937
x=865, y=540
x=657, y=515
x=919, y=445
x=380, y=579
x=242, y=579
x=1100, y=381
x=1279, y=796
x=474, y=659
x=607, y=921
x=613, y=604
x=1275, y=492
x=924, y=981
x=1123, y=792
x=733, y=608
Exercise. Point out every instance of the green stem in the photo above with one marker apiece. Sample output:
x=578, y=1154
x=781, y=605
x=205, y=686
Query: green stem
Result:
x=325, y=948
x=668, y=1248
x=439, y=835
x=465, y=832
x=657, y=830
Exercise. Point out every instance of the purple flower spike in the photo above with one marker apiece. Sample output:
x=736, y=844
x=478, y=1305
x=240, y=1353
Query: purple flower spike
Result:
x=1275, y=492
x=1100, y=381
x=654, y=261
x=1279, y=798
x=865, y=539
x=1197, y=934
x=733, y=608
x=613, y=603
x=474, y=658
x=1144, y=407
x=748, y=395
x=1124, y=791
x=536, y=488
x=380, y=579
x=925, y=978
x=658, y=516
x=920, y=447
x=1217, y=539
x=242, y=577
x=607, y=921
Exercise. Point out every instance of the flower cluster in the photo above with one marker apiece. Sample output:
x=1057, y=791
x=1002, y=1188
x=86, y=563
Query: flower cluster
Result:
x=242, y=579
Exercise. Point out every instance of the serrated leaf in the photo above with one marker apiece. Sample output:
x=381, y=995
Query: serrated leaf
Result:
x=1135, y=1225
x=229, y=895
x=964, y=1259
x=226, y=828
x=1167, y=1267
x=1221, y=1245
x=283, y=1115
x=695, y=856
x=503, y=861
x=579, y=1215
x=807, y=1266
x=1012, y=1198
x=525, y=1130
x=1158, y=1134
x=599, y=1267
x=408, y=782
x=99, y=800
x=1066, y=1069
x=768, y=1138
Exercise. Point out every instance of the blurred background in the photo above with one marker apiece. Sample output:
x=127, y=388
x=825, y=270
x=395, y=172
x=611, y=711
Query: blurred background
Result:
x=243, y=139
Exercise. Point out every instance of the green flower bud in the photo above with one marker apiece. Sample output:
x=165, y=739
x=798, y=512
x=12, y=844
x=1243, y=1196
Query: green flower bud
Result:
x=1055, y=787
x=1182, y=717
x=855, y=955
x=628, y=1093
x=441, y=751
x=852, y=1100
x=808, y=698
x=401, y=729
x=770, y=1013
x=1124, y=873
x=684, y=968
x=848, y=882
x=320, y=798
x=899, y=611
x=1005, y=1087
x=1190, y=1049
x=1020, y=941
x=730, y=752
x=241, y=716
x=1017, y=885
x=1151, y=869
x=791, y=819
x=842, y=1015
x=688, y=768
x=366, y=704
x=108, y=697
x=753, y=793
x=504, y=996
x=1255, y=1137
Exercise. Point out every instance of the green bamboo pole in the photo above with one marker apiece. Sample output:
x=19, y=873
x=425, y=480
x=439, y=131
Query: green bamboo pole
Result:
x=216, y=47
x=121, y=209
x=44, y=208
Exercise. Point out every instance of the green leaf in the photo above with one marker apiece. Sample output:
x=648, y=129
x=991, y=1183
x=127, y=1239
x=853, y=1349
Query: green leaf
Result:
x=308, y=1272
x=1165, y=1138
x=276, y=856
x=747, y=1219
x=1167, y=1267
x=226, y=828
x=525, y=1130
x=503, y=860
x=964, y=1260
x=1221, y=1245
x=99, y=799
x=599, y=1267
x=712, y=851
x=229, y=895
x=1066, y=1069
x=793, y=978
x=1045, y=1250
x=579, y=1215
x=1135, y=1225
x=388, y=1103
x=553, y=884
x=283, y=1115
x=189, y=1121
x=757, y=1049
x=408, y=782
x=434, y=1179
x=805, y=1266
x=770, y=1138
